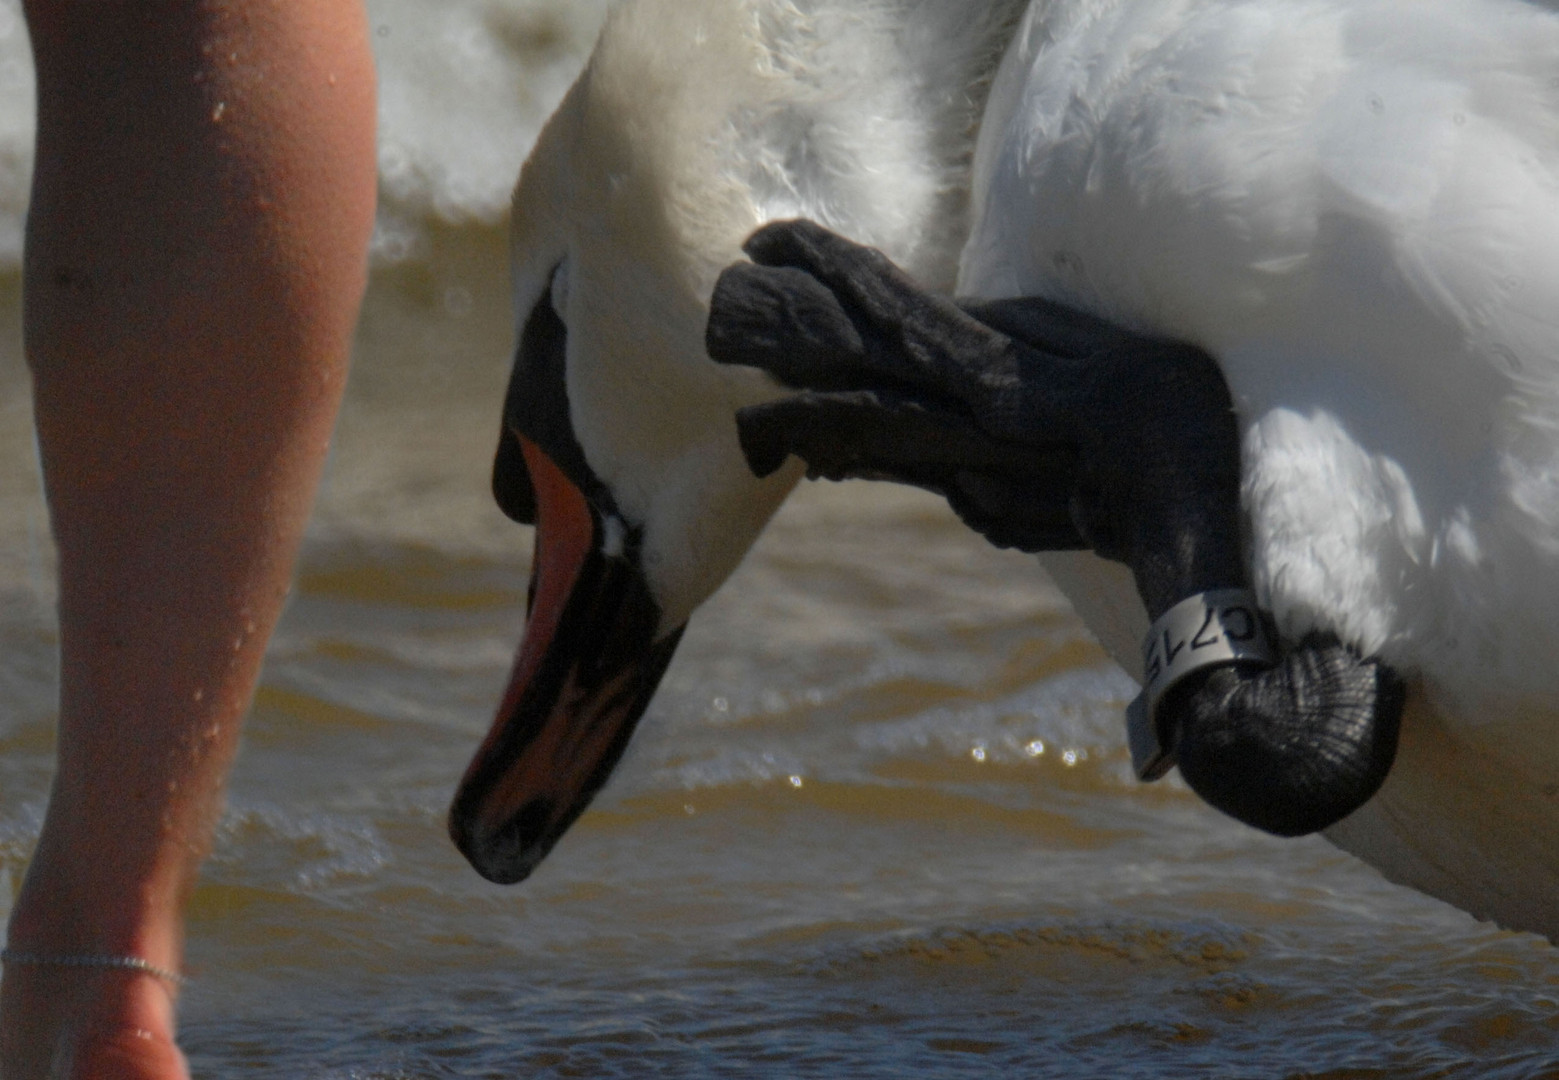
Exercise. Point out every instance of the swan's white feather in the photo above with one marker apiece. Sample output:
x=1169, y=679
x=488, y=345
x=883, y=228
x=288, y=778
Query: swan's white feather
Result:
x=1355, y=207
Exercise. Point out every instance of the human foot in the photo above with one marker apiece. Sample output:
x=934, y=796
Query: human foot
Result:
x=79, y=1023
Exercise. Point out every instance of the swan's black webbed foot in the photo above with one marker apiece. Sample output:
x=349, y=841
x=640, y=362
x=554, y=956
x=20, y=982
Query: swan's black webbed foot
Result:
x=1048, y=429
x=1293, y=748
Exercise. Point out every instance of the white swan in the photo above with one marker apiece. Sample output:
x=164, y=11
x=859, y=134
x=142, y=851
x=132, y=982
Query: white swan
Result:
x=1354, y=206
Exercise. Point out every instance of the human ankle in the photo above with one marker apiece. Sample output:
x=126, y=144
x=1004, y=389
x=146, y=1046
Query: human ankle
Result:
x=81, y=1023
x=59, y=916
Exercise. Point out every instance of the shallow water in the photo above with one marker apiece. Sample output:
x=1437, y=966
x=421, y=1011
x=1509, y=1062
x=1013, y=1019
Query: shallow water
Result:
x=878, y=822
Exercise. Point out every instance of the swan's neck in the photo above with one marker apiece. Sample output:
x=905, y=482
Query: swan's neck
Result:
x=870, y=121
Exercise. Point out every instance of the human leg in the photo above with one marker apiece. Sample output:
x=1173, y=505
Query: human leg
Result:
x=201, y=206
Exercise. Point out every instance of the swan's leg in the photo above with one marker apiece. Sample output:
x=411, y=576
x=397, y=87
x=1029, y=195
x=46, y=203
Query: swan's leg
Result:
x=1046, y=428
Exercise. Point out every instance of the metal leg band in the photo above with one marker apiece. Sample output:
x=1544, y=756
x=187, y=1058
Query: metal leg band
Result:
x=1211, y=629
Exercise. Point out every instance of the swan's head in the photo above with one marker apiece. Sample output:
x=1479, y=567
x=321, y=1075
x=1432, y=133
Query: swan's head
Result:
x=695, y=122
x=619, y=434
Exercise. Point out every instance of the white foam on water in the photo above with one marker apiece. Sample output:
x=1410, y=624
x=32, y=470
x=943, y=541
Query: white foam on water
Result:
x=464, y=87
x=16, y=131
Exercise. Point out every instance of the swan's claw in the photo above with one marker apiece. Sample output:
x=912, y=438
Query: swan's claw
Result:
x=1047, y=429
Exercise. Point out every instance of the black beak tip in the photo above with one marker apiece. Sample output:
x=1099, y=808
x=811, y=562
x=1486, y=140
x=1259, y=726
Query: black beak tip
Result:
x=508, y=854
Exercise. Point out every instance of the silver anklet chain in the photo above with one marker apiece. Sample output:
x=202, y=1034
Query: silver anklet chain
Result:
x=90, y=960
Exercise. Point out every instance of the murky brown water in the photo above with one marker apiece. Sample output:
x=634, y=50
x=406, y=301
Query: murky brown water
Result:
x=878, y=822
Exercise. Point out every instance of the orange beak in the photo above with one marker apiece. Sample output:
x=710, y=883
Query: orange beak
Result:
x=587, y=667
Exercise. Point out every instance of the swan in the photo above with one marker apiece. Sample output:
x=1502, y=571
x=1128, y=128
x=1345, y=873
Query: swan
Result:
x=1352, y=206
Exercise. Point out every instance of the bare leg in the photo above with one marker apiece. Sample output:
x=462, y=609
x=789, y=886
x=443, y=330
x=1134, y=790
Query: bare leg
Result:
x=195, y=256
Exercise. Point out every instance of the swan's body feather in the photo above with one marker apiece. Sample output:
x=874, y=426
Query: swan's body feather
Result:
x=1355, y=208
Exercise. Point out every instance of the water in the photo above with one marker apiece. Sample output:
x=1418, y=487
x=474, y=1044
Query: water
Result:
x=877, y=823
